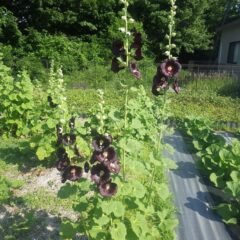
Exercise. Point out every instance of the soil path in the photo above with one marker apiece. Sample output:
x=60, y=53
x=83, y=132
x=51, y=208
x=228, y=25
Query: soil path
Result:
x=196, y=219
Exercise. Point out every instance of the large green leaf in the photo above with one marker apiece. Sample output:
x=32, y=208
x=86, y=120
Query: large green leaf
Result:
x=118, y=231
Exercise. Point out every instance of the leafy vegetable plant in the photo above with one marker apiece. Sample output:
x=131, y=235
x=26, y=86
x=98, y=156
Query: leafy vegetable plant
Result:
x=221, y=161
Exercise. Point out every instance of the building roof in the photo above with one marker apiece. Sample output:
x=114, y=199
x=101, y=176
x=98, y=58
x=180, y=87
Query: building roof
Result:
x=234, y=23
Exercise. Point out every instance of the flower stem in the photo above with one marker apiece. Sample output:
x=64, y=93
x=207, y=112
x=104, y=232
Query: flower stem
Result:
x=160, y=120
x=126, y=30
x=125, y=127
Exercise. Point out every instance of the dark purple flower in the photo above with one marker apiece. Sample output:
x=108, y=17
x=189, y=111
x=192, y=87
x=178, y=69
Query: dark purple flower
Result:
x=169, y=68
x=101, y=142
x=159, y=85
x=138, y=54
x=135, y=71
x=51, y=103
x=100, y=173
x=116, y=65
x=62, y=154
x=176, y=87
x=72, y=173
x=59, y=134
x=108, y=189
x=72, y=122
x=113, y=166
x=137, y=44
x=118, y=49
x=106, y=155
x=86, y=167
x=68, y=139
x=62, y=164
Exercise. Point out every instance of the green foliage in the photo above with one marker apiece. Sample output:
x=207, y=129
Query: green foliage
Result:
x=9, y=31
x=143, y=195
x=53, y=111
x=221, y=162
x=6, y=186
x=17, y=104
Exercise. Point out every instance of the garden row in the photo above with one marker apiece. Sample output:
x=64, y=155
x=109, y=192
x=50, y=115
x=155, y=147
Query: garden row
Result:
x=220, y=161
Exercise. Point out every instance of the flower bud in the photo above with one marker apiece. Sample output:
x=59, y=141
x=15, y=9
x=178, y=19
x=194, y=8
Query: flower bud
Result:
x=122, y=30
x=166, y=53
x=124, y=18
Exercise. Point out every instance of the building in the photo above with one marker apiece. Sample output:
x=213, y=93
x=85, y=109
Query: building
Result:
x=229, y=50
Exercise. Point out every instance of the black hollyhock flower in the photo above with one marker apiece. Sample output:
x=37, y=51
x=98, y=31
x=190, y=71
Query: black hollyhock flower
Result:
x=62, y=164
x=113, y=166
x=62, y=154
x=135, y=71
x=120, y=56
x=106, y=155
x=170, y=67
x=176, y=87
x=137, y=44
x=108, y=189
x=72, y=173
x=159, y=85
x=116, y=65
x=51, y=103
x=138, y=54
x=118, y=48
x=101, y=142
x=72, y=122
x=100, y=174
x=86, y=167
x=59, y=134
x=68, y=139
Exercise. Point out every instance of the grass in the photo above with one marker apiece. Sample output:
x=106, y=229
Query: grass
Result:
x=214, y=96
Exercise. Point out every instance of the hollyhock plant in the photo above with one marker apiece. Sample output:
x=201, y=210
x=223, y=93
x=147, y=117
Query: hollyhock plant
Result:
x=72, y=173
x=108, y=189
x=100, y=174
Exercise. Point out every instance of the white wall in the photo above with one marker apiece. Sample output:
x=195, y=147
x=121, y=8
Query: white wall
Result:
x=231, y=34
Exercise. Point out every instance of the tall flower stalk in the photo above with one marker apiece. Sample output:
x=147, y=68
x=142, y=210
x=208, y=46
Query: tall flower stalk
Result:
x=171, y=28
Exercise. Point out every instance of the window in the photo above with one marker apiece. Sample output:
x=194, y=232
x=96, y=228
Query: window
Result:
x=234, y=52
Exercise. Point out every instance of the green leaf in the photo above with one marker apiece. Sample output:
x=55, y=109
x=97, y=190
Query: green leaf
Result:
x=103, y=220
x=118, y=231
x=138, y=189
x=83, y=147
x=227, y=212
x=41, y=153
x=164, y=192
x=67, y=230
x=115, y=207
x=139, y=225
